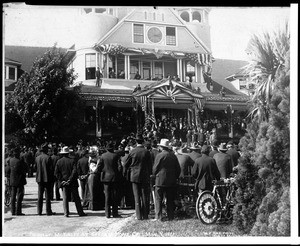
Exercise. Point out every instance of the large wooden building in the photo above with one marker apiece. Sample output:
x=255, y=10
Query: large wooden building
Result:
x=170, y=50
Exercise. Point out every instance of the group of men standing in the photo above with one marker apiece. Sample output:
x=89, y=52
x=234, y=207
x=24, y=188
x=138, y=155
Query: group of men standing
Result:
x=152, y=173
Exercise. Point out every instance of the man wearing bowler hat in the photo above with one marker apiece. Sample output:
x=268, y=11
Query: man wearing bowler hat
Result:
x=166, y=169
x=139, y=162
x=66, y=173
x=111, y=177
x=44, y=178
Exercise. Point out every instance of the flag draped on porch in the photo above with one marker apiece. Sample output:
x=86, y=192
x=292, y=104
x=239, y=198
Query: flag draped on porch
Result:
x=202, y=59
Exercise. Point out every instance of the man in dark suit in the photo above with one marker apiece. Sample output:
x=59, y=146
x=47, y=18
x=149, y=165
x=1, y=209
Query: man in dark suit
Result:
x=110, y=176
x=224, y=161
x=140, y=164
x=15, y=171
x=205, y=170
x=235, y=155
x=66, y=173
x=83, y=171
x=44, y=178
x=166, y=169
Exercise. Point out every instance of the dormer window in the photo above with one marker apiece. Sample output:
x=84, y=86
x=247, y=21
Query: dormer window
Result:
x=196, y=16
x=185, y=16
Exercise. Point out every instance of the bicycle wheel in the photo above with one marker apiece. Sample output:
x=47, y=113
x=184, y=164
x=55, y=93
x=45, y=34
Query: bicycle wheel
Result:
x=7, y=197
x=207, y=208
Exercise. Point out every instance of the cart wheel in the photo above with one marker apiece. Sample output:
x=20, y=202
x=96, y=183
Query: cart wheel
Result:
x=207, y=208
x=7, y=197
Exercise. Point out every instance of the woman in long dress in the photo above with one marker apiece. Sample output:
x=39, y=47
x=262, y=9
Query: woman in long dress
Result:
x=94, y=196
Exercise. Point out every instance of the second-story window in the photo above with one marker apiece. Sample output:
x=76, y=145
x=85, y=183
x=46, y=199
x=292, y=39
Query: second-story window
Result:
x=170, y=36
x=90, y=66
x=138, y=33
x=11, y=73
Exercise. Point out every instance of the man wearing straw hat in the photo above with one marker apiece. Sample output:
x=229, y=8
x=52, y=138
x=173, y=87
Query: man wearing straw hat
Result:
x=140, y=164
x=195, y=151
x=166, y=169
x=66, y=173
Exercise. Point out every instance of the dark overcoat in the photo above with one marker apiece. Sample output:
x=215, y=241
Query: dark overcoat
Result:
x=139, y=161
x=65, y=170
x=166, y=169
x=109, y=167
x=44, y=168
x=224, y=163
x=83, y=166
x=15, y=170
x=205, y=170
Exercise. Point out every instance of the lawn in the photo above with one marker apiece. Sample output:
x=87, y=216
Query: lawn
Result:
x=182, y=226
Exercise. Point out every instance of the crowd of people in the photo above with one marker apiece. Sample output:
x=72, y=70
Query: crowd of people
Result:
x=137, y=172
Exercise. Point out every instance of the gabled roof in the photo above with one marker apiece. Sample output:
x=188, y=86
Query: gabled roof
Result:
x=11, y=61
x=25, y=54
x=222, y=68
x=179, y=22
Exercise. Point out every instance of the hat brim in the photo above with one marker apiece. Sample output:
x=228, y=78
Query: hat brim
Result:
x=63, y=152
x=161, y=145
x=222, y=149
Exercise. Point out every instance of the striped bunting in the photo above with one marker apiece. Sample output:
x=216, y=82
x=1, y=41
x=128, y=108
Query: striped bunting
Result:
x=144, y=103
x=198, y=103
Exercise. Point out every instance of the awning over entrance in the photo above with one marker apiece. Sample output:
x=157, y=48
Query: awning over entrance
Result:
x=168, y=89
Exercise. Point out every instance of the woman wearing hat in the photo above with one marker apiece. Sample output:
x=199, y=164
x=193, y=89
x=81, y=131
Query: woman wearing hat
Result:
x=166, y=169
x=94, y=197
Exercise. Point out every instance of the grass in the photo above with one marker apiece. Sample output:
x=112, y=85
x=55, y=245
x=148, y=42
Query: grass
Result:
x=181, y=226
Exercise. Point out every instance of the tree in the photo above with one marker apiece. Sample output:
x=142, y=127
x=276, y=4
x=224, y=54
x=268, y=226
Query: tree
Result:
x=266, y=146
x=268, y=53
x=49, y=108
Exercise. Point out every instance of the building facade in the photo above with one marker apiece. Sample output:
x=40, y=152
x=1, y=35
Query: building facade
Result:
x=153, y=61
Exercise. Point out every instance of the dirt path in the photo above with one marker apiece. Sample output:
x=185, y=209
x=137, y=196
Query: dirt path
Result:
x=32, y=225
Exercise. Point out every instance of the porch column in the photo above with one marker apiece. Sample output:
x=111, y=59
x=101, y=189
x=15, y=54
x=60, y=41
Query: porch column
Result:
x=98, y=119
x=116, y=64
x=183, y=70
x=127, y=66
x=107, y=65
x=180, y=70
x=196, y=72
x=178, y=67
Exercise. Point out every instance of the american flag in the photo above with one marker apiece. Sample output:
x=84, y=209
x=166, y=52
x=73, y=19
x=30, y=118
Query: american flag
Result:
x=112, y=49
x=202, y=59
